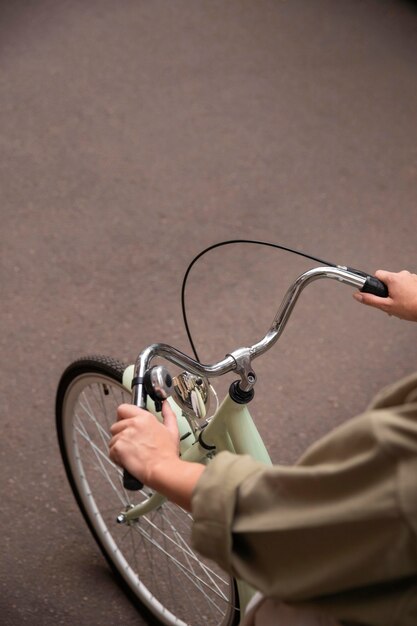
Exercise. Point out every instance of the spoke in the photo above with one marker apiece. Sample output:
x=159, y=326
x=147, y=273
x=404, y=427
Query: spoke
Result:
x=81, y=430
x=191, y=576
x=88, y=410
x=183, y=546
x=181, y=567
x=195, y=577
x=97, y=391
x=188, y=552
x=100, y=455
x=104, y=434
x=121, y=400
x=147, y=543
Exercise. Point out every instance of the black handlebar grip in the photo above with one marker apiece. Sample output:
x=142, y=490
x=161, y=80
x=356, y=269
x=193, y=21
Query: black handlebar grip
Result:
x=130, y=482
x=375, y=286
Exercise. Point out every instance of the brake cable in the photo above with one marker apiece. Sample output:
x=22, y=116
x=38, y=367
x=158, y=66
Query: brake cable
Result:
x=226, y=243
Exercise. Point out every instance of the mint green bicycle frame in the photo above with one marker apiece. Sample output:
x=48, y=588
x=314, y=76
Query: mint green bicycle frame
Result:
x=231, y=427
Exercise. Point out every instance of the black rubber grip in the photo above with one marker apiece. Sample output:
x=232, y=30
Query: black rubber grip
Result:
x=375, y=286
x=372, y=284
x=130, y=482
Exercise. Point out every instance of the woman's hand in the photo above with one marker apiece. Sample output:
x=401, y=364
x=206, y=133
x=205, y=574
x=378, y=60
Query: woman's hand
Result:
x=402, y=295
x=149, y=450
x=140, y=441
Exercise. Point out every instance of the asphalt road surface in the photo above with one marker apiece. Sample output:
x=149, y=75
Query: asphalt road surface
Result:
x=134, y=134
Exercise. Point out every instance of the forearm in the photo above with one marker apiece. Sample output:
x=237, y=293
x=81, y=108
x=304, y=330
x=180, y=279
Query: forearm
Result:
x=176, y=479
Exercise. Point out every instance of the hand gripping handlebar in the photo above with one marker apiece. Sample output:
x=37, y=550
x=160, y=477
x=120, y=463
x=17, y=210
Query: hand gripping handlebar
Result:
x=240, y=359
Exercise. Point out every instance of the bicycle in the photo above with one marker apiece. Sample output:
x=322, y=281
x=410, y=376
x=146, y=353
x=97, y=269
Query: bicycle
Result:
x=143, y=537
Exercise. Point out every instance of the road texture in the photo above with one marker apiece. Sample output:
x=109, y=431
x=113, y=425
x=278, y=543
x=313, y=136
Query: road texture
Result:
x=134, y=134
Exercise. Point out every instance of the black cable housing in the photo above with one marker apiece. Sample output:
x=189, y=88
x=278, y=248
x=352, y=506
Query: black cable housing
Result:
x=227, y=243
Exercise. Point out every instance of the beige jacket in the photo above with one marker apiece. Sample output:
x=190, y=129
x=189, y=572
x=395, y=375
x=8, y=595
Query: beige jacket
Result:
x=337, y=531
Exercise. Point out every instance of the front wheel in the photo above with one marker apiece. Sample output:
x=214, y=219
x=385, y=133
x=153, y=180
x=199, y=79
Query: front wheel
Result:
x=151, y=557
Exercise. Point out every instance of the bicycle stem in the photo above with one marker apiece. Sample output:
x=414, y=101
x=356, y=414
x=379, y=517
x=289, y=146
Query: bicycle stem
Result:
x=240, y=359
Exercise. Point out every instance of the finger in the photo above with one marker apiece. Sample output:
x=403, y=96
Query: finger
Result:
x=121, y=425
x=126, y=411
x=170, y=419
x=385, y=276
x=118, y=427
x=371, y=300
x=114, y=451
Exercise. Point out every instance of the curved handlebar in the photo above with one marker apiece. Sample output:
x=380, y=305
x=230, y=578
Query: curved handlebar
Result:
x=240, y=360
x=342, y=274
x=233, y=361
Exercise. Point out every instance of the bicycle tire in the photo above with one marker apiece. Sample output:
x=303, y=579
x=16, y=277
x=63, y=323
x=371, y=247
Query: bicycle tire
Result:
x=152, y=559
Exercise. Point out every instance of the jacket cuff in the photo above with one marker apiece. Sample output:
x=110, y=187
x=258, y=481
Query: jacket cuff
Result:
x=213, y=505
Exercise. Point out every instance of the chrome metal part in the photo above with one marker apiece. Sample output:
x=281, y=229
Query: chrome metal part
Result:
x=240, y=359
x=161, y=381
x=192, y=394
x=177, y=358
x=291, y=297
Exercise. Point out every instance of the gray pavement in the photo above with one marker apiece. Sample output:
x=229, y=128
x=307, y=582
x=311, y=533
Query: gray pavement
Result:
x=133, y=134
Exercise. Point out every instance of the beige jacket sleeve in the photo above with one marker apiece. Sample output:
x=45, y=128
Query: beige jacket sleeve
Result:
x=343, y=518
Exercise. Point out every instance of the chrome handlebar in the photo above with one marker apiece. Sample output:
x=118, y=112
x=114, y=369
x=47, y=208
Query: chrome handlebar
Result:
x=240, y=359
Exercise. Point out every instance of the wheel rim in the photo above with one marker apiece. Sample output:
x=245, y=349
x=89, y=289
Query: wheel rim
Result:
x=152, y=555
